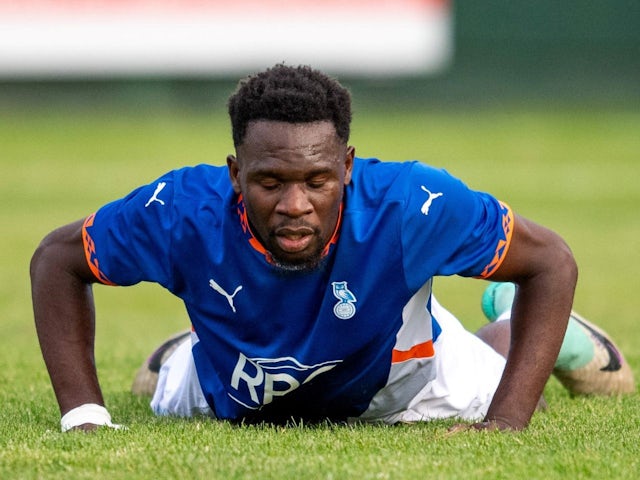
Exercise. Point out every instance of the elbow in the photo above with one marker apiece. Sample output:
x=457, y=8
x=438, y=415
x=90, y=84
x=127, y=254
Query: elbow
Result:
x=39, y=256
x=45, y=261
x=564, y=264
x=59, y=251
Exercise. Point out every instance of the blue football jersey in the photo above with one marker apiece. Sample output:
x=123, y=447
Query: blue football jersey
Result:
x=351, y=338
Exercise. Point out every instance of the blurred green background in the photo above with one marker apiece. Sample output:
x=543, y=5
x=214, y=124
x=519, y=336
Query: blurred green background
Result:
x=584, y=53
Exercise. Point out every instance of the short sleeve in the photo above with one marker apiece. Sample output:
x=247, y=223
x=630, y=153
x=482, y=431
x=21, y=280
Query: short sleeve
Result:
x=129, y=240
x=449, y=229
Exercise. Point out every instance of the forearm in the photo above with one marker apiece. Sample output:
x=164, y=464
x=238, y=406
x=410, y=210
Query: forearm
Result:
x=543, y=267
x=65, y=324
x=539, y=318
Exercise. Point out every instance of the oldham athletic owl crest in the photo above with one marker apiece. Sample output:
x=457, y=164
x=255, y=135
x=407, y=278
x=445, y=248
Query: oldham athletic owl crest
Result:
x=345, y=308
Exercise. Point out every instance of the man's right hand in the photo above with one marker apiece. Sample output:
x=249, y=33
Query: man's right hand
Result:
x=64, y=315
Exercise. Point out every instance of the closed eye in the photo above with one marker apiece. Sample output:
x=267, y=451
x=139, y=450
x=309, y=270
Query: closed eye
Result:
x=269, y=184
x=316, y=184
x=317, y=181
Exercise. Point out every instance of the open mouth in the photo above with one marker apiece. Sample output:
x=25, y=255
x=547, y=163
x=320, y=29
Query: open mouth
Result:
x=294, y=240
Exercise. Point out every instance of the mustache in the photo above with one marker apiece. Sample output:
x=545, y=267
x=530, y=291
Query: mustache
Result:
x=299, y=227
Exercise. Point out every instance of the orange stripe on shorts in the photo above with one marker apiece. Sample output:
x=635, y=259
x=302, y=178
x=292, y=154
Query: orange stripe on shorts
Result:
x=421, y=350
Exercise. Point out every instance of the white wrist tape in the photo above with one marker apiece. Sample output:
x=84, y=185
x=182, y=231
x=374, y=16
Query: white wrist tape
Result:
x=87, y=413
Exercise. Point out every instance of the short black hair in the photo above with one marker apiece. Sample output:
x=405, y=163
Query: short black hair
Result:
x=290, y=94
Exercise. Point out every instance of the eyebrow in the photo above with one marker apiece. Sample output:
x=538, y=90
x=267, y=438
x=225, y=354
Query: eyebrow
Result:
x=282, y=173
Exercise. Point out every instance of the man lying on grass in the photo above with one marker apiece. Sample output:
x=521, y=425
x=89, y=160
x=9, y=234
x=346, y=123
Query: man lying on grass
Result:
x=307, y=275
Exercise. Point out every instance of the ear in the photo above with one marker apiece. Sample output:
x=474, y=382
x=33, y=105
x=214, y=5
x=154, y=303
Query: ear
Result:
x=348, y=163
x=234, y=173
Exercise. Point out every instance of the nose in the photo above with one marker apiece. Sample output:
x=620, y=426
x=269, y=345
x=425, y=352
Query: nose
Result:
x=294, y=201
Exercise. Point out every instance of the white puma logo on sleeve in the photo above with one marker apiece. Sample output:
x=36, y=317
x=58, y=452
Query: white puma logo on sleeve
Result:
x=154, y=197
x=432, y=196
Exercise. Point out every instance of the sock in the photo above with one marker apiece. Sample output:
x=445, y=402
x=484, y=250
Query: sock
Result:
x=497, y=300
x=577, y=348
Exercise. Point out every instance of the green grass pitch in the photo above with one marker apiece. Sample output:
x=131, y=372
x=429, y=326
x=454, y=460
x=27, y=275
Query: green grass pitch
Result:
x=574, y=171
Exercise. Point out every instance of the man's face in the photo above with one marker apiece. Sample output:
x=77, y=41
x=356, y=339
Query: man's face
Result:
x=292, y=178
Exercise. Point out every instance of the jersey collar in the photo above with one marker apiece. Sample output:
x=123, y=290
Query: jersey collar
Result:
x=257, y=246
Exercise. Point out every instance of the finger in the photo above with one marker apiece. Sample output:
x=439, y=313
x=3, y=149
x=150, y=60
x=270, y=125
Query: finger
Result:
x=92, y=427
x=457, y=428
x=85, y=427
x=492, y=425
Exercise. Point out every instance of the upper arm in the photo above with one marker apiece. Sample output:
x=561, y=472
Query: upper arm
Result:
x=534, y=250
x=449, y=229
x=62, y=251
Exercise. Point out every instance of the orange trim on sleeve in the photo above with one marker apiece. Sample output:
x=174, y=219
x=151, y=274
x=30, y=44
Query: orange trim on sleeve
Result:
x=421, y=350
x=508, y=220
x=90, y=252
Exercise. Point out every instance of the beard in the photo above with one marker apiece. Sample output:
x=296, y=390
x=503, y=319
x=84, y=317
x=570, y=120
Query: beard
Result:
x=309, y=264
x=306, y=263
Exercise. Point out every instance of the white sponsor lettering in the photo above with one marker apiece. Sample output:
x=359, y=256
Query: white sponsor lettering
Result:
x=263, y=379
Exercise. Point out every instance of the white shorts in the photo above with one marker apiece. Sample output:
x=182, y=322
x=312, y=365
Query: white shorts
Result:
x=178, y=392
x=468, y=369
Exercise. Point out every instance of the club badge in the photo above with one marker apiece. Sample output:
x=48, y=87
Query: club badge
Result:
x=345, y=308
